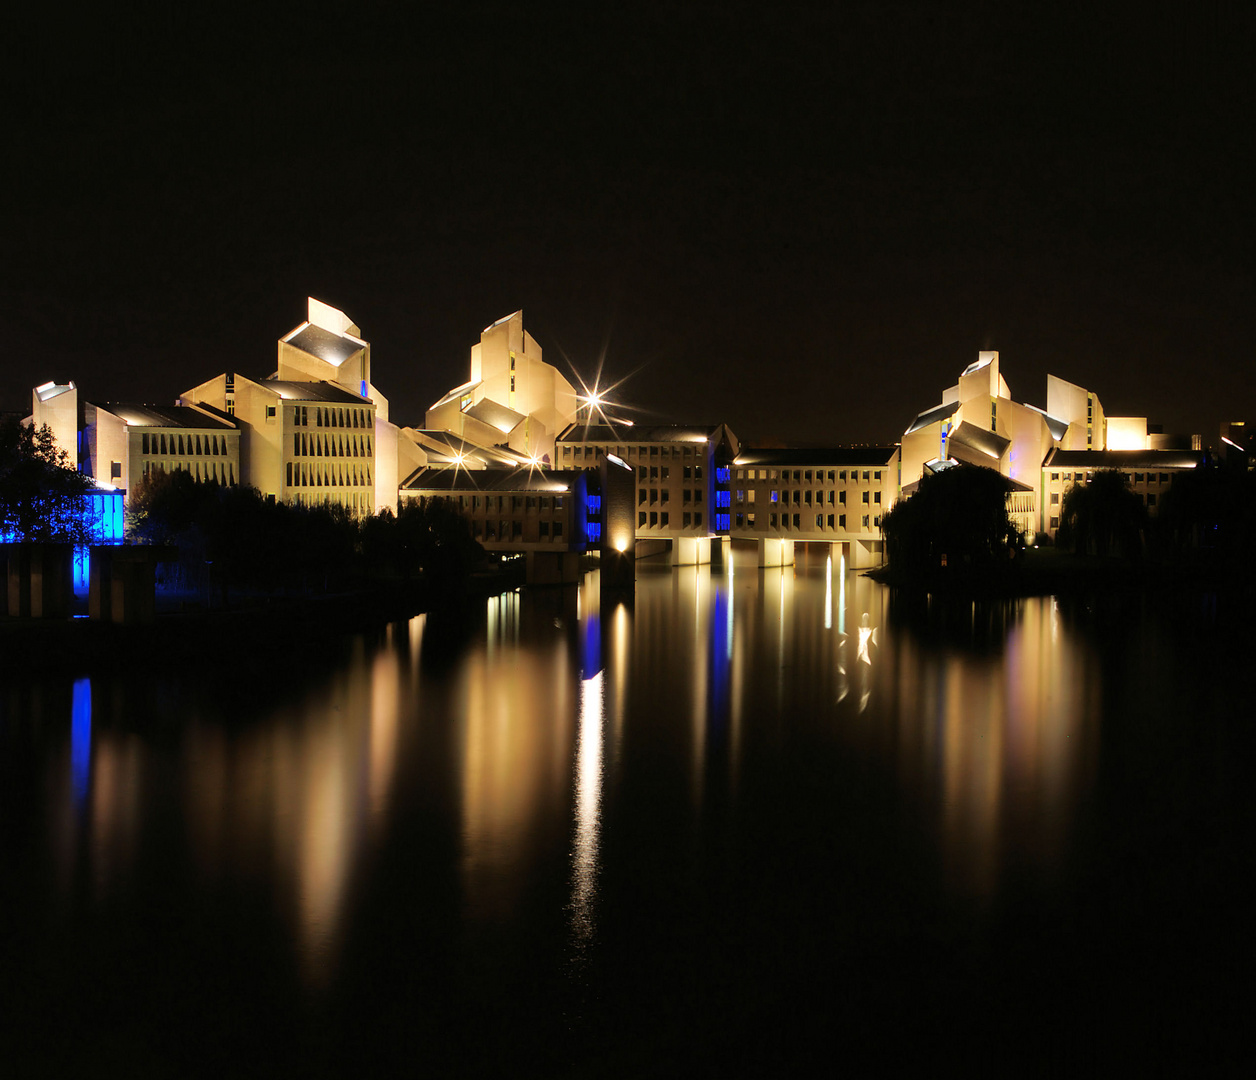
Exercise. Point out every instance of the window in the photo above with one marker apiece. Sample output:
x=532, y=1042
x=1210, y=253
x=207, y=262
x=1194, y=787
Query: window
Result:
x=774, y=496
x=688, y=472
x=654, y=496
x=1055, y=523
x=640, y=496
x=830, y=521
x=115, y=470
x=697, y=472
x=865, y=521
x=865, y=498
x=654, y=519
x=545, y=530
x=663, y=519
x=558, y=529
x=697, y=495
x=796, y=494
x=819, y=521
x=664, y=495
x=1055, y=476
x=830, y=497
x=290, y=474
x=841, y=497
x=807, y=476
x=667, y=472
x=876, y=497
x=865, y=476
x=741, y=520
x=641, y=520
x=697, y=518
x=772, y=521
x=270, y=412
x=1151, y=500
x=796, y=525
x=654, y=472
x=876, y=475
x=841, y=521
x=1055, y=498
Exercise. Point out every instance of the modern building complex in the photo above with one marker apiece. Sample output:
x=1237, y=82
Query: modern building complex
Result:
x=1041, y=451
x=532, y=463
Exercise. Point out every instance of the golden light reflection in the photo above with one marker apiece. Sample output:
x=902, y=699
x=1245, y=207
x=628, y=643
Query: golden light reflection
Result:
x=588, y=808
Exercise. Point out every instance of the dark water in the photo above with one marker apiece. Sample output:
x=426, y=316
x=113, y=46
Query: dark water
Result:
x=758, y=820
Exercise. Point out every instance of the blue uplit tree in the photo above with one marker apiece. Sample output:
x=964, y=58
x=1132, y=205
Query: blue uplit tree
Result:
x=42, y=497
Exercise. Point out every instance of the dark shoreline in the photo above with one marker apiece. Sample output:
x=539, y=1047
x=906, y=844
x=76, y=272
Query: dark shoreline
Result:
x=246, y=635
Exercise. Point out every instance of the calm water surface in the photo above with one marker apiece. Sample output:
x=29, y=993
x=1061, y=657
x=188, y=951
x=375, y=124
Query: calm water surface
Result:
x=757, y=818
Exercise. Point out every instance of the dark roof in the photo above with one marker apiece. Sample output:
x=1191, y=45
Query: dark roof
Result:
x=798, y=457
x=173, y=416
x=470, y=481
x=314, y=391
x=324, y=344
x=976, y=445
x=1123, y=459
x=932, y=416
x=638, y=433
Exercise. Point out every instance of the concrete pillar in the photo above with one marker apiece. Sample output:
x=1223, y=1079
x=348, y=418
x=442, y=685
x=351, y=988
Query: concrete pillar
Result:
x=776, y=551
x=691, y=550
x=51, y=581
x=17, y=590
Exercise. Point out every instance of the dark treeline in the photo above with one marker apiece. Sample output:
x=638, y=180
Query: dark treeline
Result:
x=955, y=530
x=955, y=526
x=232, y=538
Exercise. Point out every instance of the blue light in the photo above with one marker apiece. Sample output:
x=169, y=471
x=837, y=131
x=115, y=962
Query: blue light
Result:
x=81, y=738
x=364, y=388
x=721, y=474
x=594, y=503
x=593, y=530
x=721, y=498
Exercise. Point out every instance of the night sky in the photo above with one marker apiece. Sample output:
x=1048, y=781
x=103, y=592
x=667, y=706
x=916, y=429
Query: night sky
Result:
x=803, y=224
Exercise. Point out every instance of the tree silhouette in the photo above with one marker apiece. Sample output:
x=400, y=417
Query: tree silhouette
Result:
x=958, y=515
x=1103, y=517
x=42, y=496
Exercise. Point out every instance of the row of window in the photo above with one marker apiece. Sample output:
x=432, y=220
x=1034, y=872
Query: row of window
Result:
x=185, y=445
x=663, y=472
x=664, y=450
x=328, y=417
x=1136, y=478
x=804, y=497
x=509, y=502
x=794, y=521
x=303, y=475
x=306, y=445
x=359, y=502
x=513, y=530
x=809, y=476
x=664, y=495
x=221, y=472
x=691, y=519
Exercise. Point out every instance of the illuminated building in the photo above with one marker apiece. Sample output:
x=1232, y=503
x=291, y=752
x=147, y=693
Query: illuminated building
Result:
x=317, y=431
x=834, y=495
x=122, y=442
x=513, y=398
x=56, y=405
x=682, y=480
x=1149, y=474
x=310, y=444
x=549, y=516
x=1041, y=451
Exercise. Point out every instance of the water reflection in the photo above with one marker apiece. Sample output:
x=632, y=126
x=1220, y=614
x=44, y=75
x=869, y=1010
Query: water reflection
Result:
x=520, y=732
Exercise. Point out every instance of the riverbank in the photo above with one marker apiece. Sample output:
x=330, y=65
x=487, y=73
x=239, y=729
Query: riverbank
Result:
x=247, y=634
